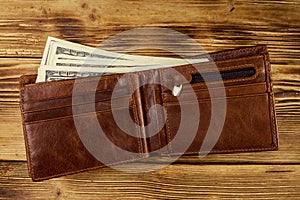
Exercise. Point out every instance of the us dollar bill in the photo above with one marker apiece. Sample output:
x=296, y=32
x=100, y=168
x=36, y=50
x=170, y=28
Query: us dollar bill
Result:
x=60, y=50
x=50, y=73
x=57, y=74
x=63, y=60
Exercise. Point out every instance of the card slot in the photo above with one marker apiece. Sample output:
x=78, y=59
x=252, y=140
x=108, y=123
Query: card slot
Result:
x=233, y=72
x=34, y=119
x=229, y=76
x=64, y=88
x=121, y=91
x=189, y=101
x=189, y=89
x=231, y=91
x=247, y=124
x=56, y=146
x=65, y=102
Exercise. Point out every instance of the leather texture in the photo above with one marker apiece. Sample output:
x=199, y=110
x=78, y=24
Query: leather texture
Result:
x=54, y=147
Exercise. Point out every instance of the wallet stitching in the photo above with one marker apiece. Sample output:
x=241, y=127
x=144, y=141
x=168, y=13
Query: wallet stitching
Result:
x=273, y=120
x=271, y=101
x=85, y=169
x=218, y=88
x=144, y=73
x=229, y=81
x=240, y=59
x=69, y=82
x=226, y=81
x=71, y=96
x=192, y=71
x=142, y=106
x=136, y=119
x=32, y=173
x=207, y=64
x=212, y=151
x=251, y=149
x=28, y=152
x=77, y=115
x=229, y=54
x=168, y=138
x=101, y=166
x=189, y=101
x=69, y=105
x=161, y=133
x=156, y=114
x=187, y=93
x=225, y=151
x=105, y=101
x=157, y=122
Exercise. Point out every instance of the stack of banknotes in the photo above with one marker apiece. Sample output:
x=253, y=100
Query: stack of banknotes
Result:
x=67, y=60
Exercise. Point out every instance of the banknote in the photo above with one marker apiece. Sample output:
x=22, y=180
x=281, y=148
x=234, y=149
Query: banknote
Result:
x=51, y=74
x=57, y=49
x=65, y=60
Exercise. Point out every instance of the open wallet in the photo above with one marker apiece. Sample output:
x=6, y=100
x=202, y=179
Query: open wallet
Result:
x=221, y=106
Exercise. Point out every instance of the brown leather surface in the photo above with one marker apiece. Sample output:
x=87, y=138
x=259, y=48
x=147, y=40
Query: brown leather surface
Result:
x=54, y=148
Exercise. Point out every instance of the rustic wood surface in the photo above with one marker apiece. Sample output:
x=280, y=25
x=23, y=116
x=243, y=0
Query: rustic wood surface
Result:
x=216, y=25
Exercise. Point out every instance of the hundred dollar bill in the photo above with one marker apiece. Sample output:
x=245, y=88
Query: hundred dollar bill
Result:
x=57, y=74
x=60, y=50
x=50, y=73
x=58, y=47
x=67, y=58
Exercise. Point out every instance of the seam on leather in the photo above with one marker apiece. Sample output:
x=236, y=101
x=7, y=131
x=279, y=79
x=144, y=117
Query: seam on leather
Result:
x=184, y=102
x=136, y=119
x=71, y=116
x=28, y=154
x=271, y=101
x=209, y=63
x=69, y=105
x=244, y=50
x=154, y=100
x=188, y=92
x=67, y=82
x=71, y=96
x=85, y=169
x=226, y=151
x=268, y=81
x=28, y=149
x=168, y=132
x=221, y=54
x=228, y=68
x=162, y=131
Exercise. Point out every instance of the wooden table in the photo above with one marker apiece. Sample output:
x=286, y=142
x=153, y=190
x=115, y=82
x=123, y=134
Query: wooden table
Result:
x=216, y=25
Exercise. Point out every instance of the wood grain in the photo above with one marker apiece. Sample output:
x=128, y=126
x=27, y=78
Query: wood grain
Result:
x=173, y=182
x=215, y=25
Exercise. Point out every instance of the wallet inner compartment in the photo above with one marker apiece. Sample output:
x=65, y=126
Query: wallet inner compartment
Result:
x=223, y=75
x=242, y=127
x=216, y=92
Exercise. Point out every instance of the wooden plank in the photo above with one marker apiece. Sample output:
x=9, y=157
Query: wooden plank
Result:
x=172, y=182
x=217, y=25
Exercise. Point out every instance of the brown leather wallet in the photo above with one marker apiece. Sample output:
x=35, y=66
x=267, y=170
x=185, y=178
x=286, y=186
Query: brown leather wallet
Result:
x=55, y=148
